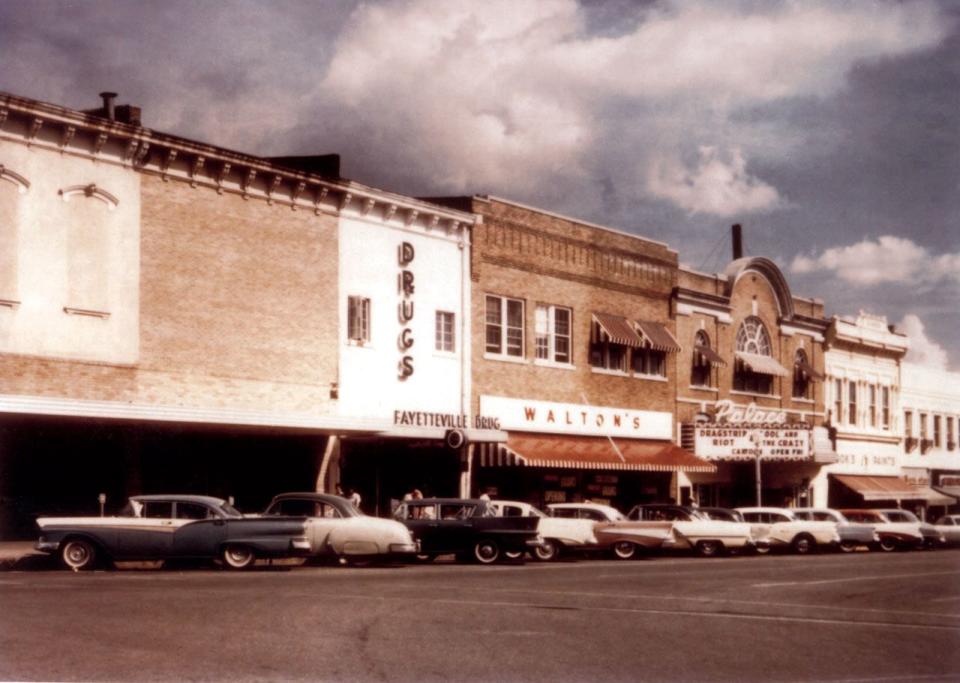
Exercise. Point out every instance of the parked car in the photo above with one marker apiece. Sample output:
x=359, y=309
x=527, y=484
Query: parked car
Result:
x=780, y=528
x=949, y=527
x=893, y=535
x=691, y=530
x=335, y=528
x=932, y=538
x=160, y=527
x=852, y=536
x=559, y=535
x=467, y=527
x=623, y=537
x=720, y=514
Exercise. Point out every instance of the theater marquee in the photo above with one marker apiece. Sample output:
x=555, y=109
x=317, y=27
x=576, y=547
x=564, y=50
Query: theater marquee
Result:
x=747, y=441
x=575, y=418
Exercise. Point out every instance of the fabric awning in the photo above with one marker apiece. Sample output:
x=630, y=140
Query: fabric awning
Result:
x=591, y=452
x=880, y=488
x=710, y=356
x=952, y=491
x=935, y=498
x=657, y=337
x=765, y=365
x=618, y=329
x=808, y=370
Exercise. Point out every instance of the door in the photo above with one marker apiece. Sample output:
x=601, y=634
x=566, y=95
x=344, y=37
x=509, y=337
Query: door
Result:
x=150, y=535
x=199, y=531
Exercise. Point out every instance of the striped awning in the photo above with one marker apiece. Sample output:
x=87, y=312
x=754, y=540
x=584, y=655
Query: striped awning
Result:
x=657, y=337
x=880, y=488
x=710, y=356
x=591, y=453
x=808, y=370
x=765, y=365
x=618, y=330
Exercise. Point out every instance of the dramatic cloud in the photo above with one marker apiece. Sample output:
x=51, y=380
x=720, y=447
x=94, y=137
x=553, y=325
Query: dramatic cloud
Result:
x=923, y=350
x=888, y=259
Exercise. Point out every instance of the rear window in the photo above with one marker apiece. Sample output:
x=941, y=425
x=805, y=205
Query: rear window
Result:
x=193, y=511
x=157, y=509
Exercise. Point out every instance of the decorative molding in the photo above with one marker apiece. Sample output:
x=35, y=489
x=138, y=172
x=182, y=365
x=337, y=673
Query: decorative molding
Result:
x=98, y=144
x=247, y=182
x=130, y=150
x=368, y=206
x=166, y=162
x=412, y=216
x=66, y=136
x=790, y=330
x=389, y=212
x=345, y=200
x=222, y=175
x=295, y=194
x=434, y=221
x=319, y=196
x=195, y=169
x=86, y=312
x=690, y=309
x=272, y=187
x=90, y=190
x=35, y=127
x=3, y=116
x=143, y=154
x=9, y=303
x=11, y=176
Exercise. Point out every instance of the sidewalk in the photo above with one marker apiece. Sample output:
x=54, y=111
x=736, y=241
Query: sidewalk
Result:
x=14, y=552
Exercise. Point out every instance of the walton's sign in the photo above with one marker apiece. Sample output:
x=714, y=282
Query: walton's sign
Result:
x=576, y=418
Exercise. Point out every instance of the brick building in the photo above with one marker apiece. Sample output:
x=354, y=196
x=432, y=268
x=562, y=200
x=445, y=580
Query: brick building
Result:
x=172, y=315
x=574, y=356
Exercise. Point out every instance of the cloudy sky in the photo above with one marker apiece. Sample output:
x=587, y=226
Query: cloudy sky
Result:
x=830, y=130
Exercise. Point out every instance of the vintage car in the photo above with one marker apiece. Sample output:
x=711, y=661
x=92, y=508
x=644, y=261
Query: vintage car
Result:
x=932, y=538
x=707, y=536
x=949, y=527
x=336, y=529
x=466, y=527
x=720, y=514
x=559, y=535
x=625, y=538
x=897, y=535
x=160, y=527
x=852, y=536
x=780, y=528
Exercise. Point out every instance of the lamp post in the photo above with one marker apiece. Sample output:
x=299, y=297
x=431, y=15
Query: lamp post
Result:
x=756, y=440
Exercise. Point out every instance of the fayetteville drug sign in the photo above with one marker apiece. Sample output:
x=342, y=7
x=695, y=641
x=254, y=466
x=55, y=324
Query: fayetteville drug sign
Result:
x=747, y=442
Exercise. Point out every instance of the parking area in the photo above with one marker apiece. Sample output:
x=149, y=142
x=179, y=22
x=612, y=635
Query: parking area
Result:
x=828, y=617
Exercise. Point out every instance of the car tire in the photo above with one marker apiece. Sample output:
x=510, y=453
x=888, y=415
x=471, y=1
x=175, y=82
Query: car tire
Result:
x=238, y=557
x=848, y=546
x=624, y=550
x=425, y=557
x=888, y=544
x=761, y=548
x=486, y=551
x=514, y=555
x=548, y=552
x=78, y=554
x=803, y=545
x=709, y=548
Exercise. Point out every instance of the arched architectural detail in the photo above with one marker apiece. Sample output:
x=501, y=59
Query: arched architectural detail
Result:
x=12, y=177
x=769, y=270
x=90, y=190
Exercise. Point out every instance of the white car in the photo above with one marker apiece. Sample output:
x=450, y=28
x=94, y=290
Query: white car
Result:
x=709, y=537
x=931, y=537
x=335, y=528
x=894, y=534
x=949, y=527
x=558, y=534
x=625, y=538
x=780, y=528
x=852, y=536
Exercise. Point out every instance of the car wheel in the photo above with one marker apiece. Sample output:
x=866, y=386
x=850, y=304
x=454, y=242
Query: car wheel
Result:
x=848, y=546
x=803, y=545
x=425, y=557
x=624, y=550
x=888, y=544
x=709, y=548
x=486, y=551
x=238, y=557
x=762, y=548
x=547, y=552
x=514, y=555
x=78, y=554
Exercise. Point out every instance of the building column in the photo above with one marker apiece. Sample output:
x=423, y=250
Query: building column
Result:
x=328, y=474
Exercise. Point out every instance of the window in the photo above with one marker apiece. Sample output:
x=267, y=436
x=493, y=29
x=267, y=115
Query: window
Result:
x=504, y=326
x=553, y=333
x=157, y=509
x=649, y=362
x=837, y=401
x=700, y=370
x=10, y=191
x=872, y=406
x=193, y=511
x=801, y=380
x=852, y=403
x=923, y=426
x=908, y=424
x=444, y=336
x=951, y=444
x=358, y=319
x=92, y=225
x=752, y=338
x=608, y=356
x=936, y=432
x=885, y=407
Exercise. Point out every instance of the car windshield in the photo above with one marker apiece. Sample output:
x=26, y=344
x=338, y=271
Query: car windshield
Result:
x=900, y=516
x=229, y=511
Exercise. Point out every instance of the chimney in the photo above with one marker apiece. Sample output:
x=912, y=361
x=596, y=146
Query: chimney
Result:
x=737, y=232
x=108, y=109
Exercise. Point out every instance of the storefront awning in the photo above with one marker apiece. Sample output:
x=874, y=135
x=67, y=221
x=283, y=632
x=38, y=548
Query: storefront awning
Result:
x=765, y=365
x=657, y=337
x=618, y=330
x=935, y=498
x=710, y=356
x=952, y=491
x=588, y=452
x=808, y=370
x=880, y=488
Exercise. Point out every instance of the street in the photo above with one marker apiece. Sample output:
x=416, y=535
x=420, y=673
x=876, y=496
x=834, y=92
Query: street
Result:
x=828, y=617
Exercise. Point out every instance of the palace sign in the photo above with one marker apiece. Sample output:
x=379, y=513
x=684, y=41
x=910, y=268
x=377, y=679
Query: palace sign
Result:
x=575, y=418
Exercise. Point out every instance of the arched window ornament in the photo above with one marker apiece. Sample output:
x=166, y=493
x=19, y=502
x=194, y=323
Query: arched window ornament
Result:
x=12, y=177
x=752, y=337
x=90, y=190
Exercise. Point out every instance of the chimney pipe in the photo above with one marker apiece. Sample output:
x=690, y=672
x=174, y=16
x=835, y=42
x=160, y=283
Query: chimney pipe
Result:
x=108, y=106
x=737, y=232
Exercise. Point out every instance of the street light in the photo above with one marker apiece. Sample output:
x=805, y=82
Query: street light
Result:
x=757, y=440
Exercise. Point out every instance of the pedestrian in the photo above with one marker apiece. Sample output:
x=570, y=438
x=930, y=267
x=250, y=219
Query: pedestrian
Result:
x=354, y=499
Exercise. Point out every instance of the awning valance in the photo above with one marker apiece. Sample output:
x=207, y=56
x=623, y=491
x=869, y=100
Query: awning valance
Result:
x=618, y=329
x=808, y=370
x=765, y=365
x=590, y=452
x=710, y=356
x=880, y=488
x=657, y=337
x=934, y=497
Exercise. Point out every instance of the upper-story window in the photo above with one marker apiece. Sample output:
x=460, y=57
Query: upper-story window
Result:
x=504, y=326
x=908, y=424
x=951, y=443
x=92, y=226
x=801, y=375
x=553, y=330
x=923, y=426
x=837, y=401
x=755, y=367
x=610, y=338
x=872, y=405
x=885, y=407
x=852, y=403
x=937, y=434
x=358, y=320
x=700, y=375
x=12, y=186
x=444, y=339
x=647, y=361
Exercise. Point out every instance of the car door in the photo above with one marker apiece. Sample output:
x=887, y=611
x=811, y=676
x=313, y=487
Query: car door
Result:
x=421, y=519
x=322, y=518
x=199, y=530
x=150, y=535
x=456, y=529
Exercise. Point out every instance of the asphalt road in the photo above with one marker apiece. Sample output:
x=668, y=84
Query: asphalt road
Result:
x=865, y=617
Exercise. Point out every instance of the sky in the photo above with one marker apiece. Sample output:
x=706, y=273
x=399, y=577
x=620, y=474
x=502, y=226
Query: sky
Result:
x=829, y=129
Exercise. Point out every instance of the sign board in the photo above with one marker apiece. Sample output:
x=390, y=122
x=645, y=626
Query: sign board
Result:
x=747, y=441
x=575, y=418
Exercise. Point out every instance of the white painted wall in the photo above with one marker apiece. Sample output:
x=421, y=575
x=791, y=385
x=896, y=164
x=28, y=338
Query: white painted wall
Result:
x=931, y=392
